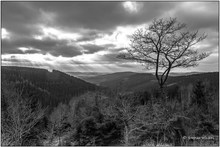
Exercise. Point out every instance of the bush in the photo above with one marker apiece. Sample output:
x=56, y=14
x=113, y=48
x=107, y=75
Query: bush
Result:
x=97, y=130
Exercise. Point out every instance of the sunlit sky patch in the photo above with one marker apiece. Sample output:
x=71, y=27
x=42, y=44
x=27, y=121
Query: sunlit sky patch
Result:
x=132, y=7
x=5, y=34
x=87, y=36
x=56, y=34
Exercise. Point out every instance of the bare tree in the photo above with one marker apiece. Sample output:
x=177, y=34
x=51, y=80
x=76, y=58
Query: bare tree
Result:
x=165, y=45
x=57, y=119
x=156, y=126
x=18, y=118
x=124, y=109
x=131, y=116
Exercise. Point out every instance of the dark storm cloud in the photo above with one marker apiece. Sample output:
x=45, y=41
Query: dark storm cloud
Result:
x=20, y=18
x=203, y=15
x=110, y=58
x=66, y=51
x=94, y=20
x=47, y=45
x=102, y=15
x=92, y=48
x=89, y=35
x=31, y=51
x=9, y=48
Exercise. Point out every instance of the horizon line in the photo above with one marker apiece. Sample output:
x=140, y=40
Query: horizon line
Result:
x=105, y=71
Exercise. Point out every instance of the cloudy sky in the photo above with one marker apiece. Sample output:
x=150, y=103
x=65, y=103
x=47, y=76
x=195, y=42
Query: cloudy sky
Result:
x=87, y=36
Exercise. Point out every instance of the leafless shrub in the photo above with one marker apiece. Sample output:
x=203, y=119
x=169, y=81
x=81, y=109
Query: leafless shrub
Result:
x=18, y=116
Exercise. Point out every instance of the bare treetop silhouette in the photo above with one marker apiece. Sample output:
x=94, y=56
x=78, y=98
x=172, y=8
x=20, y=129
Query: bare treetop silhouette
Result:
x=164, y=45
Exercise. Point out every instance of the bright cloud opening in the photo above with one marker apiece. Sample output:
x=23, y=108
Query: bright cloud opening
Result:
x=25, y=49
x=120, y=37
x=56, y=33
x=5, y=34
x=131, y=7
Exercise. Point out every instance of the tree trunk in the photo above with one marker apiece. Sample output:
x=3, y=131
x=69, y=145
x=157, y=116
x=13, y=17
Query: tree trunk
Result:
x=59, y=143
x=163, y=97
x=51, y=135
x=162, y=94
x=126, y=136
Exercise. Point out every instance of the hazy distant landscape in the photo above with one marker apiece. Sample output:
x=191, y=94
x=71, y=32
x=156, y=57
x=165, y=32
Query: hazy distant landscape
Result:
x=87, y=75
x=142, y=81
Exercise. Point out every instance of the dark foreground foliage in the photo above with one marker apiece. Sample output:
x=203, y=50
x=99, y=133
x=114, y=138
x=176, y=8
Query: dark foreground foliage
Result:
x=97, y=119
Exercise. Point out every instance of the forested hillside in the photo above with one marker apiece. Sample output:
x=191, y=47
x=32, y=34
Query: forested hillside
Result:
x=49, y=87
x=121, y=117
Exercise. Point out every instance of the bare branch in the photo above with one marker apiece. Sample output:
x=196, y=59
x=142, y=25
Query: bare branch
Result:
x=165, y=45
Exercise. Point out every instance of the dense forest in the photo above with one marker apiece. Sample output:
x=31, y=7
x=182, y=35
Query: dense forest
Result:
x=48, y=87
x=129, y=112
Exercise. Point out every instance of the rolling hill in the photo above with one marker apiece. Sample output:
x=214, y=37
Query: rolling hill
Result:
x=54, y=87
x=130, y=81
x=83, y=75
x=49, y=87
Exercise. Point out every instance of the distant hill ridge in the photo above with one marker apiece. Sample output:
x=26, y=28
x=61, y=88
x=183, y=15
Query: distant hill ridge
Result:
x=130, y=81
x=84, y=75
